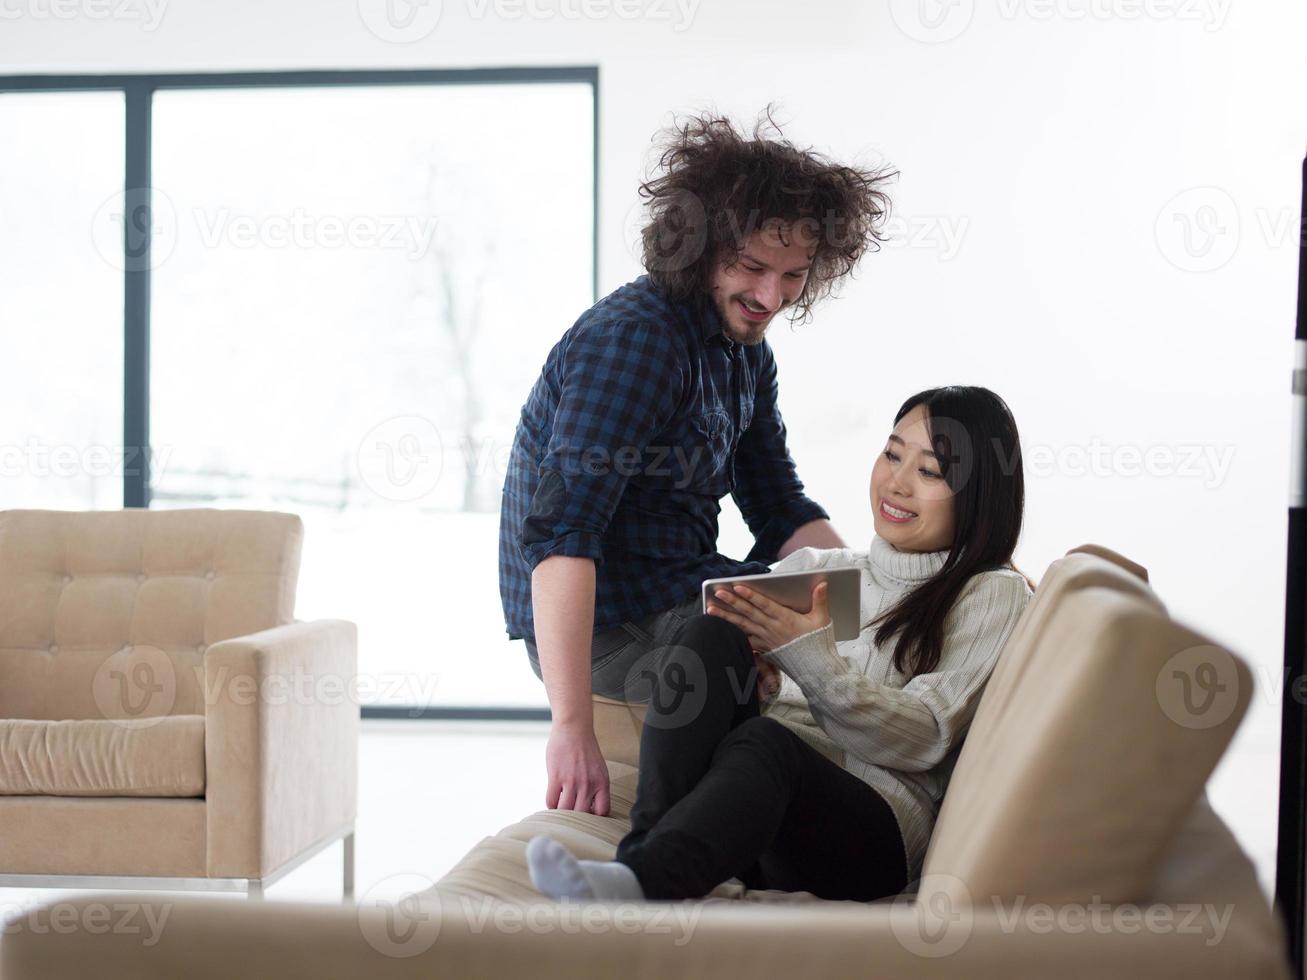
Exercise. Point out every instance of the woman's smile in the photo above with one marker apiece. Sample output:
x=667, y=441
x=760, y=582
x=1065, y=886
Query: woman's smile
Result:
x=895, y=514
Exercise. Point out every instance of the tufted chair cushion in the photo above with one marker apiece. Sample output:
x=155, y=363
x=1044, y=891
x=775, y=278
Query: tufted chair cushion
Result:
x=107, y=614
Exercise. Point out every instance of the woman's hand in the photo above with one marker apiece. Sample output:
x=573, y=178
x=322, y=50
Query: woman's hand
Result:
x=769, y=679
x=767, y=623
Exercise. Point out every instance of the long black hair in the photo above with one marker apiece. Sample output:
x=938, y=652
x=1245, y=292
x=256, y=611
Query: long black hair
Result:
x=976, y=438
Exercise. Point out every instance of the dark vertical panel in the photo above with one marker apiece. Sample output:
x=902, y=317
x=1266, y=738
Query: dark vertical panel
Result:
x=594, y=233
x=137, y=228
x=1291, y=869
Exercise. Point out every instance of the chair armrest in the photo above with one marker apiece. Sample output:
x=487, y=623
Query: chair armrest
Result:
x=280, y=744
x=211, y=939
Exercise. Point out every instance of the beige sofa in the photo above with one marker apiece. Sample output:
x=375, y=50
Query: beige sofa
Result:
x=165, y=722
x=1075, y=841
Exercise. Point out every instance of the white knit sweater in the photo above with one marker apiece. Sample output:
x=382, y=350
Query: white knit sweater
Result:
x=899, y=736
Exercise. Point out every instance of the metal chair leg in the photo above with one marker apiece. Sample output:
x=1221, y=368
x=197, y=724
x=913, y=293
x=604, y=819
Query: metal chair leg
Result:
x=348, y=892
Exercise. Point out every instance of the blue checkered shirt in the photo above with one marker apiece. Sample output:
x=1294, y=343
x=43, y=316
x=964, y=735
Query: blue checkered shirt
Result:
x=644, y=416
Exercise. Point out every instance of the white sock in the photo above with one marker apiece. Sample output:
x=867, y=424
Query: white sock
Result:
x=558, y=874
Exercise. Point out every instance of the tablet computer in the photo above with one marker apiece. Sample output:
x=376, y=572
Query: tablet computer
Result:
x=794, y=589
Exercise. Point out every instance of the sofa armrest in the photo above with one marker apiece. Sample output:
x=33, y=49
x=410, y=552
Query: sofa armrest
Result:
x=212, y=939
x=280, y=744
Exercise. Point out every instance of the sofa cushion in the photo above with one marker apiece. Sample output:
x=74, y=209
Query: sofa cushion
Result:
x=496, y=867
x=138, y=757
x=1092, y=744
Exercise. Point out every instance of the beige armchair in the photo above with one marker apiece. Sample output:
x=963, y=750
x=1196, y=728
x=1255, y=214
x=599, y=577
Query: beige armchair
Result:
x=165, y=722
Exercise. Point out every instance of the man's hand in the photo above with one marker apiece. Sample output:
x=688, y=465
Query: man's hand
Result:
x=767, y=623
x=578, y=776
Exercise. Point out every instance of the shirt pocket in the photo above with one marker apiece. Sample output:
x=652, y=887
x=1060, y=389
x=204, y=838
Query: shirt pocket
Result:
x=710, y=470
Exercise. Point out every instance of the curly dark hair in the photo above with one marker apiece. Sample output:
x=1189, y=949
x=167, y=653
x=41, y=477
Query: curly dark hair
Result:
x=715, y=186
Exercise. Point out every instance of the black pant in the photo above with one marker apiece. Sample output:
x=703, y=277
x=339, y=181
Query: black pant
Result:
x=725, y=792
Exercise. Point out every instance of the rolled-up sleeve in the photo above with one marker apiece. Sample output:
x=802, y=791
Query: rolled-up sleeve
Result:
x=914, y=727
x=619, y=384
x=768, y=490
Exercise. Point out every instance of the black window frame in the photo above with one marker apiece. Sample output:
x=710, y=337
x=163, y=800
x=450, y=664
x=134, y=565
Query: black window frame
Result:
x=138, y=94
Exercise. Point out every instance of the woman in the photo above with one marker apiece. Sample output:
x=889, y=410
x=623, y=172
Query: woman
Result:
x=834, y=790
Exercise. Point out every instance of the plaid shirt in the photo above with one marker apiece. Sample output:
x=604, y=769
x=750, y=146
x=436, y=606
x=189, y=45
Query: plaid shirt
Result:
x=644, y=416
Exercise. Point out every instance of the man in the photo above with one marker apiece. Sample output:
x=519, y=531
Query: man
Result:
x=659, y=401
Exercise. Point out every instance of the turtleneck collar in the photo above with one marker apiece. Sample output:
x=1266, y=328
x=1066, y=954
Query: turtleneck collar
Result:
x=905, y=566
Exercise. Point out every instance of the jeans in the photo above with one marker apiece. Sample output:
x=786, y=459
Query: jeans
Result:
x=725, y=792
x=620, y=655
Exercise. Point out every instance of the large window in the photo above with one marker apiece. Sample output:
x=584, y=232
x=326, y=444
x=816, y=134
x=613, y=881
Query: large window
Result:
x=343, y=290
x=61, y=300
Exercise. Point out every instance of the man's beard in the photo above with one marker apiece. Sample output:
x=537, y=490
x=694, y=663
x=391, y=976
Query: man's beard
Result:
x=753, y=340
x=750, y=339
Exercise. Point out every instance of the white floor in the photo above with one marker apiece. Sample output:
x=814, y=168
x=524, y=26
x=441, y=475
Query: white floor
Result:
x=423, y=804
x=425, y=800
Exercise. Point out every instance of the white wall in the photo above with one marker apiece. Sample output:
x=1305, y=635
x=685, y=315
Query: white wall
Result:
x=1040, y=248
